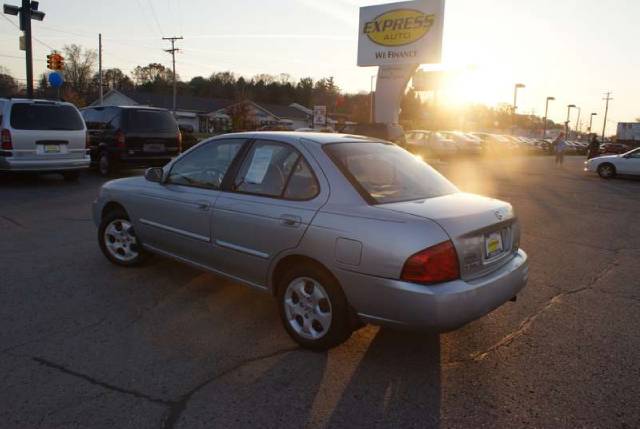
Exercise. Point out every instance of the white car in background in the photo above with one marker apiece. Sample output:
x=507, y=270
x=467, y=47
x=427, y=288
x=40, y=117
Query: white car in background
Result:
x=609, y=166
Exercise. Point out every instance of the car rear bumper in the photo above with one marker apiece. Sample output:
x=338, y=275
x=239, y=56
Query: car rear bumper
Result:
x=441, y=307
x=59, y=164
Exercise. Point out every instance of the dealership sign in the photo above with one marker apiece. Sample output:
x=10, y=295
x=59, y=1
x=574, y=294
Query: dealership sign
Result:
x=401, y=33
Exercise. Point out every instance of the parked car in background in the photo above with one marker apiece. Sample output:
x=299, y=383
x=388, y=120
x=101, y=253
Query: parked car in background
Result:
x=42, y=136
x=131, y=136
x=431, y=144
x=390, y=132
x=613, y=148
x=340, y=229
x=494, y=143
x=467, y=144
x=609, y=166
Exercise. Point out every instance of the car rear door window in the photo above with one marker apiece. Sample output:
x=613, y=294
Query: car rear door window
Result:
x=205, y=166
x=149, y=121
x=45, y=117
x=277, y=170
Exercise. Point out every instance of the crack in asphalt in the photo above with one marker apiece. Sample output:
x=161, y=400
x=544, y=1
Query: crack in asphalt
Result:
x=12, y=221
x=528, y=321
x=177, y=407
x=103, y=384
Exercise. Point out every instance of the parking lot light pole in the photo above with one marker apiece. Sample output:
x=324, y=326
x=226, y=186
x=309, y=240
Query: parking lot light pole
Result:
x=546, y=110
x=516, y=87
x=566, y=124
x=591, y=121
x=578, y=127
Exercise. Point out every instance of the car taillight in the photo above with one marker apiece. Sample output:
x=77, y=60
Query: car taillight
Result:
x=179, y=142
x=87, y=140
x=120, y=140
x=433, y=265
x=5, y=136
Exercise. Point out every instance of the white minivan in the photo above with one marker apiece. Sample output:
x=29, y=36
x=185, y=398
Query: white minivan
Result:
x=42, y=136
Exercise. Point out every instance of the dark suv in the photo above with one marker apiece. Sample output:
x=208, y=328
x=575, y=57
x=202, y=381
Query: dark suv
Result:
x=131, y=136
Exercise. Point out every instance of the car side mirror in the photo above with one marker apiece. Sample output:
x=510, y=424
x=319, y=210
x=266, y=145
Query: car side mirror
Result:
x=154, y=174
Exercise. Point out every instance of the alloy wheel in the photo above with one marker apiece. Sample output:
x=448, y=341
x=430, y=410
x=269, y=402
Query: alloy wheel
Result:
x=120, y=240
x=308, y=308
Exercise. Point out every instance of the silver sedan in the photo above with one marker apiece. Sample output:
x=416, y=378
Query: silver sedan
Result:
x=342, y=230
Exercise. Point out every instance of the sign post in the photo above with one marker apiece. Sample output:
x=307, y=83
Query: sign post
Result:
x=398, y=37
x=319, y=116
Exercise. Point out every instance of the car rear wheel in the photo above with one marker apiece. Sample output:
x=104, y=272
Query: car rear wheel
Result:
x=607, y=171
x=313, y=308
x=118, y=240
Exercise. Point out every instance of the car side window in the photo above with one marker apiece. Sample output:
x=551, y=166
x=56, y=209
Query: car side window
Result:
x=302, y=184
x=206, y=166
x=277, y=170
x=635, y=154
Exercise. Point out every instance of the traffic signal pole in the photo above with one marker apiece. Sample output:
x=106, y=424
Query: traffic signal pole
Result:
x=25, y=23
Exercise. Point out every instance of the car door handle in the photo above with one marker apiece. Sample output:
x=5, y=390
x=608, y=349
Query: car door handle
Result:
x=290, y=220
x=203, y=205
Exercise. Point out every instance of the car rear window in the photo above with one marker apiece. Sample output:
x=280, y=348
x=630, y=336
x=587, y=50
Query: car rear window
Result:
x=386, y=173
x=28, y=116
x=142, y=120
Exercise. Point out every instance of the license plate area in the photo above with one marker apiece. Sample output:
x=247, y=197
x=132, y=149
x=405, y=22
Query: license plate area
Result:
x=495, y=244
x=154, y=147
x=51, y=148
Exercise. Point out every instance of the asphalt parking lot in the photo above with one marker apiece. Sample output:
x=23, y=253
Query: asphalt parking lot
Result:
x=86, y=344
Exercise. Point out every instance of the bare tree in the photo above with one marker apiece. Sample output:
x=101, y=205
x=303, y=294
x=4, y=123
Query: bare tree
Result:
x=79, y=68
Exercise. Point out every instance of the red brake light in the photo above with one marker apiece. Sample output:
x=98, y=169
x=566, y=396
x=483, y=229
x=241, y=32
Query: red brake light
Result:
x=5, y=137
x=120, y=139
x=436, y=264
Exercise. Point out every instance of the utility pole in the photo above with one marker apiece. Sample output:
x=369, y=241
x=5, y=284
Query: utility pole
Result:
x=100, y=66
x=27, y=12
x=173, y=51
x=606, y=111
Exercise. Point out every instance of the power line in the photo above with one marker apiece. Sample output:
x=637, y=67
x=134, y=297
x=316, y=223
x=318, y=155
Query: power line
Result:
x=18, y=27
x=155, y=17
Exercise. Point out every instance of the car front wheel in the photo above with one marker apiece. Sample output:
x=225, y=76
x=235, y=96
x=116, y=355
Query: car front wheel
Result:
x=607, y=171
x=118, y=240
x=313, y=308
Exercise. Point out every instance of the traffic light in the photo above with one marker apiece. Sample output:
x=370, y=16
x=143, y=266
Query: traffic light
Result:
x=55, y=61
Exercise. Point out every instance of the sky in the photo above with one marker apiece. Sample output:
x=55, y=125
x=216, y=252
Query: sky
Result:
x=574, y=50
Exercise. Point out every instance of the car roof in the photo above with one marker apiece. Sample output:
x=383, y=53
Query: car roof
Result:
x=34, y=101
x=127, y=107
x=294, y=136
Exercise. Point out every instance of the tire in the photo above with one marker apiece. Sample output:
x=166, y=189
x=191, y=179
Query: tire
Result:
x=105, y=165
x=313, y=308
x=70, y=176
x=118, y=241
x=607, y=170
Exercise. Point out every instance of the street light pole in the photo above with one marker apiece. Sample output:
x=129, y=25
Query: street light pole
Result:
x=578, y=122
x=591, y=121
x=516, y=87
x=566, y=124
x=546, y=110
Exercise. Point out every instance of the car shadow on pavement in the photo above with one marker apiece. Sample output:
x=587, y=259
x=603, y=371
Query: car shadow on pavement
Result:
x=396, y=385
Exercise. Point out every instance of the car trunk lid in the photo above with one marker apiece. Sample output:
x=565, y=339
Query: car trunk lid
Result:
x=484, y=230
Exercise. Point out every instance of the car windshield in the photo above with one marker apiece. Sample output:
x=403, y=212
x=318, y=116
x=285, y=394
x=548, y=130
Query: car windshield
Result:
x=45, y=117
x=385, y=173
x=146, y=120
